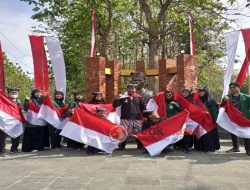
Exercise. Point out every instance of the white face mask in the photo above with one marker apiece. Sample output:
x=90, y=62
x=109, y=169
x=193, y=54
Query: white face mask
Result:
x=13, y=96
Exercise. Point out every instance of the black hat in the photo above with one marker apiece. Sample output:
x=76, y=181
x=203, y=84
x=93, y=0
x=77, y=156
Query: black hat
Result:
x=146, y=113
x=131, y=85
x=96, y=93
x=11, y=89
x=234, y=84
x=101, y=109
x=168, y=91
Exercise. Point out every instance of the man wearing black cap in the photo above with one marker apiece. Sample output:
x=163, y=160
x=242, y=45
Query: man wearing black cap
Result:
x=13, y=94
x=132, y=106
x=241, y=102
x=101, y=113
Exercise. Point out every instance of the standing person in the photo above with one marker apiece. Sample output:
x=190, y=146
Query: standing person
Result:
x=13, y=94
x=132, y=107
x=97, y=99
x=78, y=98
x=33, y=138
x=210, y=141
x=241, y=102
x=187, y=141
x=54, y=133
x=172, y=108
x=146, y=94
x=101, y=113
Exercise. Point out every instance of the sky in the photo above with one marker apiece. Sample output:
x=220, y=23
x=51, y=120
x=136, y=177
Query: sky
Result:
x=16, y=23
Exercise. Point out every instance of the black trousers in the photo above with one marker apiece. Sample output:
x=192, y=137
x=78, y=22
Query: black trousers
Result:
x=235, y=141
x=187, y=141
x=55, y=138
x=2, y=141
x=15, y=143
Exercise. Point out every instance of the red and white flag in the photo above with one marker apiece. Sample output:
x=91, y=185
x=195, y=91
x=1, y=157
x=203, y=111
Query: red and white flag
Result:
x=32, y=115
x=41, y=73
x=200, y=121
x=192, y=41
x=169, y=131
x=49, y=113
x=157, y=103
x=91, y=130
x=11, y=117
x=2, y=87
x=234, y=121
x=112, y=115
x=93, y=38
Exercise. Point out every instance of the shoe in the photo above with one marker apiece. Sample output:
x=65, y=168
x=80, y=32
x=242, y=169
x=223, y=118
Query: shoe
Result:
x=90, y=153
x=34, y=151
x=121, y=149
x=188, y=151
x=233, y=150
x=14, y=151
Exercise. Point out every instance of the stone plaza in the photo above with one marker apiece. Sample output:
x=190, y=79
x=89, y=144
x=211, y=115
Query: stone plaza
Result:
x=126, y=170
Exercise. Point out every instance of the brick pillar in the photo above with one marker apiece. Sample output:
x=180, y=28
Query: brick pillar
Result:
x=113, y=81
x=95, y=76
x=166, y=79
x=140, y=66
x=186, y=71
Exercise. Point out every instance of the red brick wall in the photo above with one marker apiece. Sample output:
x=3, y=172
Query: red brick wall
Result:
x=140, y=66
x=95, y=76
x=113, y=81
x=186, y=71
x=166, y=79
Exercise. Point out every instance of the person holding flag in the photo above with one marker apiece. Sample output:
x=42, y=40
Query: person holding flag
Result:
x=100, y=112
x=55, y=138
x=33, y=138
x=132, y=107
x=187, y=141
x=78, y=98
x=13, y=94
x=242, y=103
x=210, y=141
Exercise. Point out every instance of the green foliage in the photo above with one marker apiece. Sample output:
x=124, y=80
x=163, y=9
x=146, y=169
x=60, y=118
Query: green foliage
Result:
x=124, y=32
x=14, y=77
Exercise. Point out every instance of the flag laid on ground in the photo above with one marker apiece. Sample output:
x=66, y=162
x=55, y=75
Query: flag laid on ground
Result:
x=32, y=115
x=157, y=103
x=200, y=121
x=49, y=113
x=11, y=117
x=86, y=128
x=169, y=131
x=234, y=121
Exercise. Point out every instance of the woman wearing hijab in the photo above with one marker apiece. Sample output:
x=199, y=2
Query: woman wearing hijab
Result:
x=78, y=98
x=187, y=141
x=55, y=138
x=33, y=138
x=210, y=141
x=97, y=99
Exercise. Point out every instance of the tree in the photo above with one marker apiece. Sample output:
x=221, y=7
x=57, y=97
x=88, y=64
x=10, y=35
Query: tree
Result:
x=15, y=77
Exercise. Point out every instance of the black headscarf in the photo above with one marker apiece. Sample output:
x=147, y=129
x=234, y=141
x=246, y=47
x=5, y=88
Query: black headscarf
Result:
x=77, y=100
x=189, y=97
x=59, y=101
x=95, y=101
x=206, y=99
x=34, y=99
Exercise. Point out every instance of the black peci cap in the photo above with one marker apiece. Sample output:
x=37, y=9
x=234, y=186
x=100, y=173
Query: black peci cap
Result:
x=101, y=109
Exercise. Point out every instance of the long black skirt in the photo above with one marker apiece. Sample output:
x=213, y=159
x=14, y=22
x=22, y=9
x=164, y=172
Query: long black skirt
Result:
x=208, y=142
x=46, y=136
x=33, y=139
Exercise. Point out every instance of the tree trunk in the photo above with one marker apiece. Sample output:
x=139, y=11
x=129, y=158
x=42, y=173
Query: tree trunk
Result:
x=153, y=48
